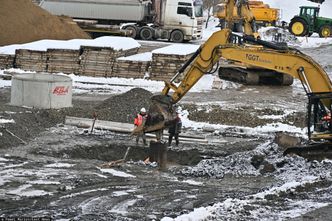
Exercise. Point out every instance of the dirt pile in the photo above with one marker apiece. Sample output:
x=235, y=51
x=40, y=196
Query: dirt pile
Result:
x=123, y=107
x=21, y=21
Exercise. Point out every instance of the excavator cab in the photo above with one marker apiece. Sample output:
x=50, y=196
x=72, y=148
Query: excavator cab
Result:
x=319, y=116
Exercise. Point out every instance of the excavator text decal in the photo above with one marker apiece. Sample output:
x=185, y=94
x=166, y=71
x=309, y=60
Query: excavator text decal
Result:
x=252, y=57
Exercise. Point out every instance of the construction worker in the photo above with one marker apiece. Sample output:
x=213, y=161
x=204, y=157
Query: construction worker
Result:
x=175, y=130
x=139, y=120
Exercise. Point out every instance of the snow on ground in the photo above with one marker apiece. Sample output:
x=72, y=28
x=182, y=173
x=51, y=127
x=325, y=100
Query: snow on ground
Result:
x=294, y=176
x=268, y=128
x=6, y=121
x=117, y=43
x=117, y=173
x=314, y=41
x=113, y=85
x=177, y=49
x=147, y=56
x=267, y=34
x=27, y=191
x=60, y=165
x=212, y=27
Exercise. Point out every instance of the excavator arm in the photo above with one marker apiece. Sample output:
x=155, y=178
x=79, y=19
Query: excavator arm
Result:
x=243, y=12
x=224, y=44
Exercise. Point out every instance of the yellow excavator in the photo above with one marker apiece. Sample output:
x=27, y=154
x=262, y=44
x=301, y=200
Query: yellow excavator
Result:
x=257, y=53
x=240, y=72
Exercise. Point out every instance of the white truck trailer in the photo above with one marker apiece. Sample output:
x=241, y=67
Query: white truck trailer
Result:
x=175, y=20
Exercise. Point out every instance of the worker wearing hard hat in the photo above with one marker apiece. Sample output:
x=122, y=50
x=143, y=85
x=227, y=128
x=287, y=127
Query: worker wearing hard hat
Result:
x=139, y=120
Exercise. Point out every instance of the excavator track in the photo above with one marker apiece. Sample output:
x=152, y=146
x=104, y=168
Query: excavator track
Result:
x=314, y=151
x=251, y=76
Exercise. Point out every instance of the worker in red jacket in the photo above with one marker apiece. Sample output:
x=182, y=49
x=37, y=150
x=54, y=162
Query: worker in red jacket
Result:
x=139, y=120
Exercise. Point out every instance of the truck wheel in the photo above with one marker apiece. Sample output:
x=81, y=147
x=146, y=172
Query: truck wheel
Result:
x=146, y=33
x=177, y=36
x=132, y=30
x=298, y=27
x=325, y=31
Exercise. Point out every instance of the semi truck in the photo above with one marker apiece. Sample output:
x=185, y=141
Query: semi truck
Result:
x=175, y=20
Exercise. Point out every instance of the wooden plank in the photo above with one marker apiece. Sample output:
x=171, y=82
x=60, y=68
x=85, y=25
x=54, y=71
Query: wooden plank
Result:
x=123, y=128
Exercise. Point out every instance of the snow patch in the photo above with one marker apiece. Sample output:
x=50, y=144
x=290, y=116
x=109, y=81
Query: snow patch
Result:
x=59, y=165
x=147, y=56
x=26, y=191
x=177, y=49
x=117, y=173
x=117, y=43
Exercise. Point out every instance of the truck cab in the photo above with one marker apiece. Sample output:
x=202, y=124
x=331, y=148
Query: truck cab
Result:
x=183, y=20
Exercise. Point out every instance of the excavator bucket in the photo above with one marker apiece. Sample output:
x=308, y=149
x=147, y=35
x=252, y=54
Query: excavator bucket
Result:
x=161, y=115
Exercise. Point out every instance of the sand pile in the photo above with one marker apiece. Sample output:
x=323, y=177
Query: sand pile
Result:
x=124, y=107
x=21, y=21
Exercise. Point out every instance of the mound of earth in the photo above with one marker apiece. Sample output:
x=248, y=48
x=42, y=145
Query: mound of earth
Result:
x=246, y=116
x=124, y=107
x=21, y=21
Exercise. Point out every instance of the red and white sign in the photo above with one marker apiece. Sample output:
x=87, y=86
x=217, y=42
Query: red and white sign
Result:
x=61, y=90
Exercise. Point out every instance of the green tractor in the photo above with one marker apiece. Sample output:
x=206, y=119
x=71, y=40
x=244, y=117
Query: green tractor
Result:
x=309, y=22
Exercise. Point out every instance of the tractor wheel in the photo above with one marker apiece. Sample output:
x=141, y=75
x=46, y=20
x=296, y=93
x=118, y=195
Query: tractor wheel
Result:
x=325, y=31
x=298, y=27
x=177, y=36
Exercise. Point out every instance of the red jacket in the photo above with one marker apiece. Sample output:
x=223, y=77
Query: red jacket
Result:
x=139, y=119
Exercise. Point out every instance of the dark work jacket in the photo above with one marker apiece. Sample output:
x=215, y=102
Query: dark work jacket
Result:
x=176, y=127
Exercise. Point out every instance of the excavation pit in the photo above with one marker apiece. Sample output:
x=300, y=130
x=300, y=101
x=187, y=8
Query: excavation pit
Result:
x=116, y=151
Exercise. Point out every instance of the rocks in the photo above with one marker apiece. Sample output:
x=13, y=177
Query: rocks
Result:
x=267, y=168
x=284, y=140
x=124, y=107
x=257, y=160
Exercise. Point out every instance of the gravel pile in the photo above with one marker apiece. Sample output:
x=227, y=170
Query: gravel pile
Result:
x=124, y=107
